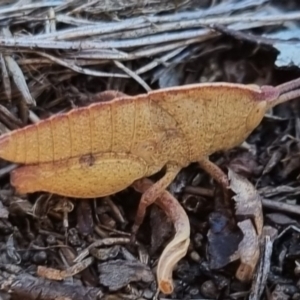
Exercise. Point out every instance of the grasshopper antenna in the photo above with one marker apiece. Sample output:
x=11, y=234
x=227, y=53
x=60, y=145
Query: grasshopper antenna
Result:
x=287, y=91
x=288, y=86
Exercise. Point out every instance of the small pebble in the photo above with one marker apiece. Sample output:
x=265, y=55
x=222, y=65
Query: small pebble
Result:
x=39, y=257
x=198, y=238
x=209, y=290
x=148, y=294
x=73, y=237
x=296, y=296
x=51, y=240
x=194, y=292
x=195, y=256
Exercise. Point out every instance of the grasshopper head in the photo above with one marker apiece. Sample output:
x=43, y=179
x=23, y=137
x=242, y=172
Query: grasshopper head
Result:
x=260, y=106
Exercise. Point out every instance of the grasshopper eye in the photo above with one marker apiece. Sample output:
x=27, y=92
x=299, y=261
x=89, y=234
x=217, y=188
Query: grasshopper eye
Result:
x=256, y=115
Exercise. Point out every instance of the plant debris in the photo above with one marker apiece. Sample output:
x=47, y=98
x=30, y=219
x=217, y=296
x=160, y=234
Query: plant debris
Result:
x=117, y=273
x=56, y=55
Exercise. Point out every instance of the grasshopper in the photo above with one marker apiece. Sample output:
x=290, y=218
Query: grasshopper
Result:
x=103, y=148
x=108, y=146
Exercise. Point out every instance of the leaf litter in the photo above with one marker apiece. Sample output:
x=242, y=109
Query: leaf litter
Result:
x=55, y=55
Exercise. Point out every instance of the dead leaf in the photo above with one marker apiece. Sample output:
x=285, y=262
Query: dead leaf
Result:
x=245, y=164
x=248, y=251
x=281, y=219
x=3, y=212
x=247, y=198
x=25, y=286
x=249, y=207
x=223, y=240
x=85, y=222
x=273, y=161
x=105, y=253
x=161, y=228
x=279, y=294
x=118, y=273
x=55, y=274
x=260, y=279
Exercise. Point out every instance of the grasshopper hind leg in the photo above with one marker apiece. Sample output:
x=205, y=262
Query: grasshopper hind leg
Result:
x=89, y=176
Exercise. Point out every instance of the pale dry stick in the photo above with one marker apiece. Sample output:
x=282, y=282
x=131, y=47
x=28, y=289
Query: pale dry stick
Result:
x=104, y=54
x=46, y=61
x=272, y=204
x=24, y=7
x=185, y=55
x=132, y=74
x=160, y=38
x=157, y=39
x=55, y=274
x=34, y=61
x=52, y=20
x=17, y=16
x=113, y=7
x=198, y=15
x=114, y=210
x=81, y=7
x=49, y=21
x=90, y=30
x=73, y=21
x=199, y=191
x=5, y=78
x=17, y=74
x=10, y=117
x=136, y=54
x=115, y=231
x=33, y=117
x=188, y=24
x=168, y=37
x=170, y=46
x=100, y=232
x=178, y=247
x=101, y=243
x=31, y=43
x=283, y=207
x=34, y=43
x=220, y=9
x=78, y=69
x=6, y=170
x=159, y=61
x=266, y=248
x=164, y=28
x=64, y=5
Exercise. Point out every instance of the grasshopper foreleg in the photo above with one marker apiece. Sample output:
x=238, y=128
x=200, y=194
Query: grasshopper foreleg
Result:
x=178, y=246
x=152, y=194
x=217, y=174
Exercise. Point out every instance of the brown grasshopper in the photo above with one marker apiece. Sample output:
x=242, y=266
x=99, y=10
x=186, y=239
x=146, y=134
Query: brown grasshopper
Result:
x=103, y=148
